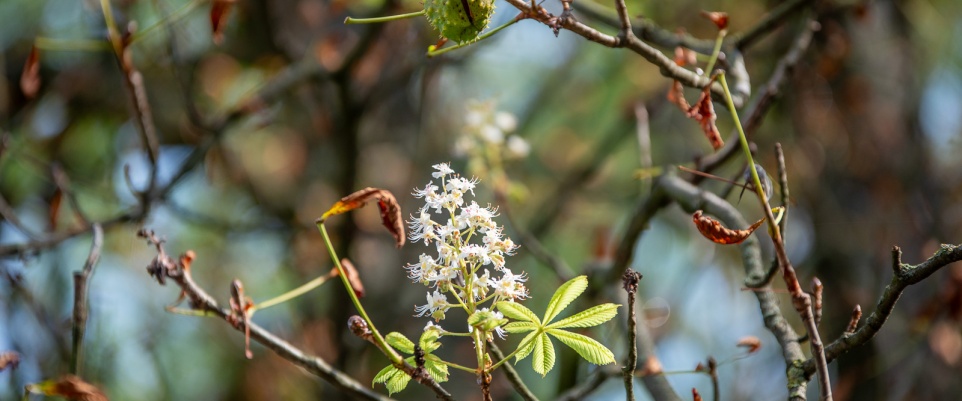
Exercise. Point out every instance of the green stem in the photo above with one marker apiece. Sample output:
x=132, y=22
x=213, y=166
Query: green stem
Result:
x=378, y=339
x=714, y=53
x=432, y=52
x=376, y=20
x=287, y=296
x=479, y=346
x=747, y=150
x=112, y=33
x=459, y=367
x=502, y=361
x=54, y=44
x=177, y=15
x=189, y=312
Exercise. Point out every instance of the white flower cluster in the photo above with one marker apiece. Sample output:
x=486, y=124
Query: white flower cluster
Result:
x=461, y=267
x=485, y=126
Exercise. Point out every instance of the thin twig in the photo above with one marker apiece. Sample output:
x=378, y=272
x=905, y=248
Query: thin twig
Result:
x=531, y=244
x=666, y=66
x=630, y=281
x=512, y=374
x=692, y=198
x=164, y=267
x=81, y=280
x=905, y=275
x=8, y=213
x=590, y=384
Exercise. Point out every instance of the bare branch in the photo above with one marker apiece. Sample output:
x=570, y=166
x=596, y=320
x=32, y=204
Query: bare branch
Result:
x=667, y=67
x=905, y=275
x=164, y=267
x=512, y=374
x=630, y=280
x=81, y=279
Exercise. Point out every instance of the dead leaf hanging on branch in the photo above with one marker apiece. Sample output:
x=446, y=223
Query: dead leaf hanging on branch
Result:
x=30, y=78
x=219, y=12
x=704, y=112
x=390, y=209
x=70, y=387
x=713, y=229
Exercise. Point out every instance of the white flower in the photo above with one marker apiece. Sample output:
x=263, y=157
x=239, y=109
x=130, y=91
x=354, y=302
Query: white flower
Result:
x=436, y=302
x=491, y=134
x=422, y=270
x=505, y=121
x=510, y=287
x=422, y=227
x=443, y=169
x=518, y=147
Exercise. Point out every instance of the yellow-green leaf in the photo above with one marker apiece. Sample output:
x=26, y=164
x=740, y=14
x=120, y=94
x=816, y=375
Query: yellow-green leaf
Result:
x=526, y=346
x=543, y=359
x=589, y=349
x=589, y=317
x=520, y=327
x=516, y=311
x=564, y=295
x=400, y=342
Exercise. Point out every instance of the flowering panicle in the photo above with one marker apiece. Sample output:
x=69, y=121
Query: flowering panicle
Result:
x=469, y=267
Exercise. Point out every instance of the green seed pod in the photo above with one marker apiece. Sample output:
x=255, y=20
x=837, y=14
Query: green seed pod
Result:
x=459, y=20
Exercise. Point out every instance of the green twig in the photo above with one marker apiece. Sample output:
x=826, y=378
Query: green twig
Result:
x=287, y=296
x=432, y=52
x=716, y=51
x=378, y=339
x=376, y=20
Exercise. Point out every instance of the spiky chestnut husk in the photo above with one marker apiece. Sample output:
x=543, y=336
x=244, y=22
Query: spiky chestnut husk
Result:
x=459, y=20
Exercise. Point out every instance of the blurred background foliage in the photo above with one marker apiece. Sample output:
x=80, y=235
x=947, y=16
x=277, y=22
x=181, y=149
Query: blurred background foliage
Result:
x=870, y=121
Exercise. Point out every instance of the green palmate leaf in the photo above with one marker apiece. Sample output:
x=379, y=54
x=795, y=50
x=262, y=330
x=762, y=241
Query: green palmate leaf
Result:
x=392, y=377
x=429, y=340
x=526, y=346
x=564, y=295
x=589, y=349
x=520, y=327
x=588, y=318
x=400, y=342
x=436, y=368
x=543, y=355
x=397, y=382
x=517, y=311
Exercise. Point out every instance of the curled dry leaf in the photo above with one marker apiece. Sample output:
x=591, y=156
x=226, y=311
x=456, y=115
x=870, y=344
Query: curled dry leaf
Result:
x=30, y=78
x=713, y=230
x=694, y=394
x=752, y=343
x=70, y=387
x=685, y=56
x=390, y=209
x=720, y=19
x=704, y=112
x=352, y=277
x=9, y=359
x=219, y=12
x=53, y=214
x=652, y=366
x=676, y=95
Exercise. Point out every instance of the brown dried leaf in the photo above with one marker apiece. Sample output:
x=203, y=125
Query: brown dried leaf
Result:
x=390, y=209
x=751, y=342
x=352, y=277
x=676, y=95
x=9, y=359
x=69, y=387
x=704, y=112
x=685, y=56
x=54, y=212
x=219, y=12
x=30, y=78
x=720, y=19
x=694, y=394
x=652, y=366
x=713, y=230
